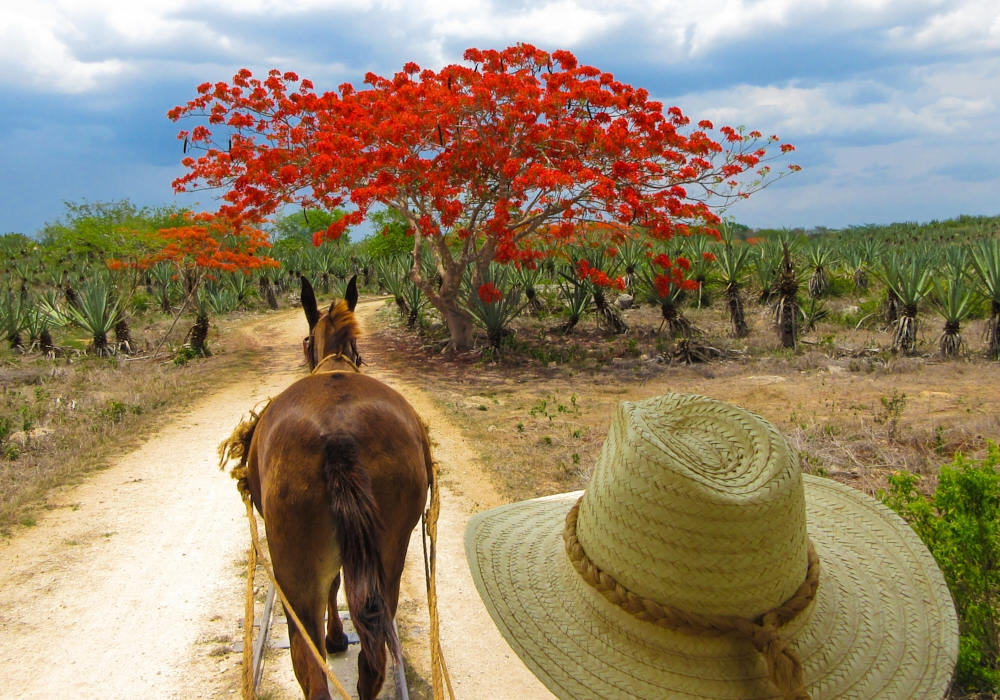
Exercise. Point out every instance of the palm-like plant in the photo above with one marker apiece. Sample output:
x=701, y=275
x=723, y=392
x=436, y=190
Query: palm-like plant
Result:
x=631, y=255
x=392, y=276
x=984, y=256
x=766, y=267
x=527, y=279
x=670, y=297
x=601, y=268
x=786, y=308
x=495, y=304
x=96, y=312
x=733, y=260
x=821, y=260
x=907, y=279
x=242, y=286
x=13, y=312
x=38, y=325
x=696, y=250
x=577, y=296
x=414, y=300
x=222, y=299
x=266, y=284
x=870, y=250
x=201, y=302
x=163, y=274
x=954, y=302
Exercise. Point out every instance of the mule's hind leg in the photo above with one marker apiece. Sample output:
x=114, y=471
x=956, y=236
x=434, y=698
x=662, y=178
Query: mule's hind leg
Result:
x=307, y=671
x=336, y=640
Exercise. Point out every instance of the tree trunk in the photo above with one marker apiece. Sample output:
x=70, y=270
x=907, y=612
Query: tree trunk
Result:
x=460, y=330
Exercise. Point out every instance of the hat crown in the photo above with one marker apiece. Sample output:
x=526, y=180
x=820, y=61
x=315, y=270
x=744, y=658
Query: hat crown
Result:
x=698, y=505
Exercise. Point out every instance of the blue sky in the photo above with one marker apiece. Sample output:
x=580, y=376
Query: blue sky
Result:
x=892, y=104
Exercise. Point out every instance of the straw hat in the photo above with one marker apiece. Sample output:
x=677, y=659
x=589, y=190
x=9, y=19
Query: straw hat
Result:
x=700, y=563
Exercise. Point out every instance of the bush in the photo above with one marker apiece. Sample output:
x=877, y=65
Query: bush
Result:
x=960, y=525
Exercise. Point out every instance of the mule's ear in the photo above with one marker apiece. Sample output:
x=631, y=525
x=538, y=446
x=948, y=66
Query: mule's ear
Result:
x=309, y=303
x=351, y=295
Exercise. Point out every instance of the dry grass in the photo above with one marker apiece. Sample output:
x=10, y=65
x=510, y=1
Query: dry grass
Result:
x=76, y=414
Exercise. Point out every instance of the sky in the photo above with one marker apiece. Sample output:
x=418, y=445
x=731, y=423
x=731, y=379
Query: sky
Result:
x=891, y=104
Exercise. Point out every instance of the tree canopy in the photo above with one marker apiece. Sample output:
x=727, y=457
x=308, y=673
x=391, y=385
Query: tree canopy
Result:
x=495, y=160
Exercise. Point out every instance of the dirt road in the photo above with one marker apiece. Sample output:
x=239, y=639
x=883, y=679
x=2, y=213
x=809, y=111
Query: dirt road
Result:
x=132, y=586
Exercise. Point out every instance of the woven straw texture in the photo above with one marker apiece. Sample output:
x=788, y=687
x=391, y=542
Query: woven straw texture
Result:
x=700, y=505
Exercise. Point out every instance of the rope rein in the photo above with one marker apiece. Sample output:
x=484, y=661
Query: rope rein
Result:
x=438, y=667
x=784, y=667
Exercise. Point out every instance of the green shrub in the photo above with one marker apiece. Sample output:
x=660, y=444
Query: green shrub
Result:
x=960, y=525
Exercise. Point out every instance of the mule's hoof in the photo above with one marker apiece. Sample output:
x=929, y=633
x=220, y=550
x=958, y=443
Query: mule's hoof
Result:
x=336, y=646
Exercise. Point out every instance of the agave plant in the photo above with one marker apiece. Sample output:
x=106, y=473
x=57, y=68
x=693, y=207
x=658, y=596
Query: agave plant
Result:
x=984, y=257
x=527, y=278
x=821, y=260
x=363, y=265
x=242, y=286
x=955, y=303
x=766, y=275
x=670, y=297
x=198, y=335
x=392, y=276
x=96, y=312
x=907, y=279
x=812, y=314
x=266, y=284
x=414, y=301
x=163, y=274
x=13, y=313
x=38, y=325
x=595, y=266
x=786, y=308
x=631, y=256
x=732, y=261
x=576, y=295
x=495, y=304
x=222, y=299
x=696, y=249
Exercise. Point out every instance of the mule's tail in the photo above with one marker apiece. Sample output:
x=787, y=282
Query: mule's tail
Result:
x=358, y=532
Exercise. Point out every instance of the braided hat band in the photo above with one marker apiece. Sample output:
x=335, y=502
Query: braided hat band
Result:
x=783, y=664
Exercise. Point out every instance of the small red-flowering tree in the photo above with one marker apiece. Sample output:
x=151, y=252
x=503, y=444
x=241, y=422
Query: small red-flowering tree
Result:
x=204, y=244
x=482, y=160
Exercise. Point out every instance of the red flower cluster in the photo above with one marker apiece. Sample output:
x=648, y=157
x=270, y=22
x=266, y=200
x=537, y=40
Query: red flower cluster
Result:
x=489, y=294
x=709, y=256
x=598, y=277
x=672, y=275
x=675, y=278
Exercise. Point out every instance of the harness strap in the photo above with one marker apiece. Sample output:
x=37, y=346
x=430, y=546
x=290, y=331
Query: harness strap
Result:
x=341, y=357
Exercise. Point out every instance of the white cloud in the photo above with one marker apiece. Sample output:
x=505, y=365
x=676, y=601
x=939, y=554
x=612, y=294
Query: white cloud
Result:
x=947, y=99
x=34, y=52
x=51, y=44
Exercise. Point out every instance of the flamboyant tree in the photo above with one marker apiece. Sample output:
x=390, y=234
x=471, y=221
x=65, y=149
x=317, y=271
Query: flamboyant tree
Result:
x=488, y=161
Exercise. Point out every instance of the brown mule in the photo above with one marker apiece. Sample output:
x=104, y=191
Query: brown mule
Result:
x=339, y=466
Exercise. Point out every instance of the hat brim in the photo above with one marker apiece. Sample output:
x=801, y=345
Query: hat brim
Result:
x=882, y=625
